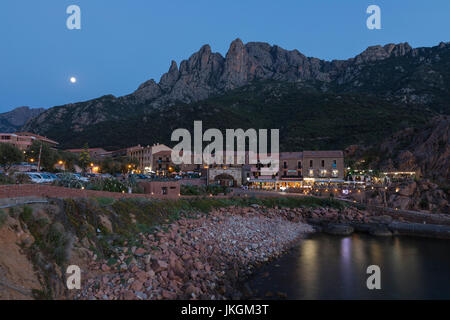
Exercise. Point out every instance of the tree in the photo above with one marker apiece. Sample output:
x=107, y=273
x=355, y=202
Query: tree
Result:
x=9, y=155
x=110, y=166
x=69, y=159
x=49, y=156
x=85, y=158
x=128, y=164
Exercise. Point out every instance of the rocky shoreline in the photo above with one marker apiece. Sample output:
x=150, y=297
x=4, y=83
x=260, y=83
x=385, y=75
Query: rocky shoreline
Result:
x=209, y=256
x=204, y=257
x=190, y=249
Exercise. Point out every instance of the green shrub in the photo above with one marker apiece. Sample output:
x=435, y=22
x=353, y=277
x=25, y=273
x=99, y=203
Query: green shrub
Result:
x=190, y=190
x=103, y=201
x=56, y=241
x=3, y=217
x=27, y=215
x=6, y=179
x=68, y=180
x=22, y=178
x=109, y=184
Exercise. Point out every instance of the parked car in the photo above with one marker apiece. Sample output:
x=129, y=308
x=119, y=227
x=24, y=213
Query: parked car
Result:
x=139, y=176
x=35, y=177
x=54, y=176
x=46, y=177
x=75, y=176
x=81, y=178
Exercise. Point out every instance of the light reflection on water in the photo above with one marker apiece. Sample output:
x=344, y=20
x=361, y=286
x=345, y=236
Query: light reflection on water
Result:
x=331, y=267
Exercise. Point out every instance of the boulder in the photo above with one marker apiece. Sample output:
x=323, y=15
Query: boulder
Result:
x=381, y=232
x=339, y=229
x=159, y=265
x=384, y=219
x=407, y=190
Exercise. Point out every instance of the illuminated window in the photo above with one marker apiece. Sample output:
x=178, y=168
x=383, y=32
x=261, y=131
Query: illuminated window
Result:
x=311, y=172
x=335, y=173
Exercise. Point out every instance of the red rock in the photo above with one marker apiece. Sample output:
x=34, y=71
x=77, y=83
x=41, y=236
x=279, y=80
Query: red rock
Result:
x=141, y=275
x=140, y=252
x=186, y=257
x=179, y=269
x=135, y=269
x=137, y=285
x=168, y=295
x=129, y=295
x=159, y=265
x=191, y=289
x=105, y=268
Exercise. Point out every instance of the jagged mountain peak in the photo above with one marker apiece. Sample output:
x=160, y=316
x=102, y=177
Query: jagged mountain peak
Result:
x=379, y=52
x=206, y=73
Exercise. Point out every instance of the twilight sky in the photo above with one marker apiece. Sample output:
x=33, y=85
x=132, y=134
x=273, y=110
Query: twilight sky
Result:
x=124, y=43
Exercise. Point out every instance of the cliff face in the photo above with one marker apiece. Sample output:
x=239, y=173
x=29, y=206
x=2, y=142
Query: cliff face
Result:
x=13, y=120
x=206, y=73
x=426, y=150
x=395, y=72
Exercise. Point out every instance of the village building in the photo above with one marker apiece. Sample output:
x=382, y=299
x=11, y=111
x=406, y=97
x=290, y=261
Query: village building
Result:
x=296, y=169
x=300, y=170
x=23, y=140
x=154, y=159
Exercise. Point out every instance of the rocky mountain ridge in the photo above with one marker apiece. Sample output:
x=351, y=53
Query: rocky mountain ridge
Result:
x=16, y=118
x=395, y=71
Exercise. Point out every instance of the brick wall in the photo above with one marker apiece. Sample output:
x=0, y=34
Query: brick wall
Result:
x=193, y=182
x=169, y=189
x=35, y=190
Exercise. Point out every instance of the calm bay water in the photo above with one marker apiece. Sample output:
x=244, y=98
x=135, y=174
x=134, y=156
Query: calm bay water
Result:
x=331, y=267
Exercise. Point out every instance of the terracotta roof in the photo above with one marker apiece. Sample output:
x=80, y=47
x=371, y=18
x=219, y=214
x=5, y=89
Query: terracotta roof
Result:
x=160, y=147
x=324, y=154
x=36, y=136
x=89, y=150
x=291, y=155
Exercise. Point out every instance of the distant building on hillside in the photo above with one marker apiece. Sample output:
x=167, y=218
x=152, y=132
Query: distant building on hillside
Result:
x=22, y=140
x=155, y=159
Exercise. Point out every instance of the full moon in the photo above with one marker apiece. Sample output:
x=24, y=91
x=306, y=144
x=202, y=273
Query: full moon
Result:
x=73, y=79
